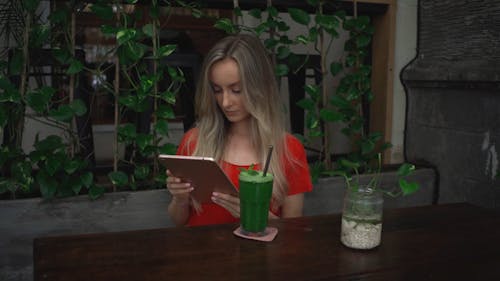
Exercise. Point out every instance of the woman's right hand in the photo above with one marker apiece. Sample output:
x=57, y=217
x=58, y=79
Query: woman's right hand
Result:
x=179, y=189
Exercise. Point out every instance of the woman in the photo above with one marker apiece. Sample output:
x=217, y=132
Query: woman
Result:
x=239, y=115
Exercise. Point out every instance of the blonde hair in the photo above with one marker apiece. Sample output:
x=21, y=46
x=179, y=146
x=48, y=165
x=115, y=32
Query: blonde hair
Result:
x=261, y=98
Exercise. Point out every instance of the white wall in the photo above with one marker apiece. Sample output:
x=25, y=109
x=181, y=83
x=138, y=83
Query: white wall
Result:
x=405, y=51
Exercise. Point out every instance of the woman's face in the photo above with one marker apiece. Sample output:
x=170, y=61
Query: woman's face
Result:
x=226, y=85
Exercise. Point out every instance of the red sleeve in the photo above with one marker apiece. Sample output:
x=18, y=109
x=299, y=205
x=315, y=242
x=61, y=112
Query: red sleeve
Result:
x=297, y=169
x=188, y=142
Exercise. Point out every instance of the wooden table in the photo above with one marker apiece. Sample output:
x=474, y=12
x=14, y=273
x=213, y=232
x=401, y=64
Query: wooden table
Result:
x=443, y=242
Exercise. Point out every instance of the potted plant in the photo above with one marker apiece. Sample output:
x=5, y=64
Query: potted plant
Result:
x=361, y=226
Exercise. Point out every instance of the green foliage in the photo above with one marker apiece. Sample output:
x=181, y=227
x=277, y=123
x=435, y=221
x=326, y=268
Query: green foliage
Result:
x=325, y=104
x=350, y=168
x=54, y=168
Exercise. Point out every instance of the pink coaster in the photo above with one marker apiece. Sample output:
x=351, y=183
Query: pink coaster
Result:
x=268, y=236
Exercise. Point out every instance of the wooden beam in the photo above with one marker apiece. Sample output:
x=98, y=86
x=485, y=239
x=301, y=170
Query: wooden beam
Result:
x=383, y=75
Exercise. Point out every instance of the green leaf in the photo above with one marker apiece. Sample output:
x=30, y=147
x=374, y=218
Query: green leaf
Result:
x=313, y=34
x=96, y=191
x=161, y=127
x=349, y=164
x=3, y=118
x=102, y=11
x=313, y=3
x=362, y=21
x=78, y=107
x=270, y=43
x=168, y=148
x=328, y=22
x=39, y=36
x=52, y=164
x=196, y=13
x=16, y=62
x=154, y=11
x=58, y=17
x=118, y=178
x=312, y=122
x=76, y=185
x=362, y=41
x=165, y=112
x=313, y=91
x=340, y=102
x=299, y=16
x=405, y=169
x=72, y=166
x=302, y=39
x=306, y=103
x=125, y=35
x=408, y=188
x=283, y=52
x=141, y=172
x=226, y=25
x=129, y=101
x=50, y=143
x=367, y=146
x=74, y=67
x=48, y=184
x=39, y=100
x=63, y=113
x=134, y=51
x=336, y=68
x=108, y=30
x=6, y=185
x=168, y=96
x=273, y=12
x=148, y=29
x=256, y=13
x=282, y=26
x=166, y=50
x=21, y=171
x=30, y=5
x=330, y=115
x=127, y=131
x=237, y=11
x=87, y=178
x=143, y=140
x=62, y=55
x=281, y=69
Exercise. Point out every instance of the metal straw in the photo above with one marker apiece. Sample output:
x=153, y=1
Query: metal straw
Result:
x=268, y=160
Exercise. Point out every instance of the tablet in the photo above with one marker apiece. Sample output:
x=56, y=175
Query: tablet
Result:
x=204, y=173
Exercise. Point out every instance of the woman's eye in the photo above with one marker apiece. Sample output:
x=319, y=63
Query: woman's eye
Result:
x=236, y=91
x=216, y=90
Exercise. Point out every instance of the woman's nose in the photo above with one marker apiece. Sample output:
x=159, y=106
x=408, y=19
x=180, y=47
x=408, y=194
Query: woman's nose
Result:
x=226, y=99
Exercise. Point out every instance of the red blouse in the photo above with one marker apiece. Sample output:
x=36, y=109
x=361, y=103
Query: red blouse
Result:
x=296, y=173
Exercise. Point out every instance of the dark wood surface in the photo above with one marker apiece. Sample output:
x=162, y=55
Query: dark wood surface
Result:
x=442, y=242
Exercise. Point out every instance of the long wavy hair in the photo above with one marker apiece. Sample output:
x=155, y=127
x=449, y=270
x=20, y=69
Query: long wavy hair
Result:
x=261, y=99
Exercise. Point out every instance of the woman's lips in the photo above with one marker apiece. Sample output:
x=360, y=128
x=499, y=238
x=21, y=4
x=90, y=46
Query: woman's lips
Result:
x=231, y=113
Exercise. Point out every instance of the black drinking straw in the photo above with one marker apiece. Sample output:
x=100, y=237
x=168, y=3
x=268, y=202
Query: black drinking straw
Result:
x=269, y=152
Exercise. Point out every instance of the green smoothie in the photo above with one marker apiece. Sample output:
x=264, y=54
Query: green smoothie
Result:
x=255, y=197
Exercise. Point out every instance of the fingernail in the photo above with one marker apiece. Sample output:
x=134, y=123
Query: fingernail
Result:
x=214, y=199
x=191, y=189
x=215, y=194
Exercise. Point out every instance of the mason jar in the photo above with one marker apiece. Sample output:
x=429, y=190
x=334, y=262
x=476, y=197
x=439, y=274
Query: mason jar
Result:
x=362, y=218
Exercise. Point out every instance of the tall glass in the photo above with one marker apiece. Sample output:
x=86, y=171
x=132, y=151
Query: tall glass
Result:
x=255, y=196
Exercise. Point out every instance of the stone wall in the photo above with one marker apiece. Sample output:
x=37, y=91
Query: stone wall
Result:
x=453, y=98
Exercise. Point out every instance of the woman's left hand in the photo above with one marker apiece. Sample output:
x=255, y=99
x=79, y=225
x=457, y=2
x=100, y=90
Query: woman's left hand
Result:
x=228, y=202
